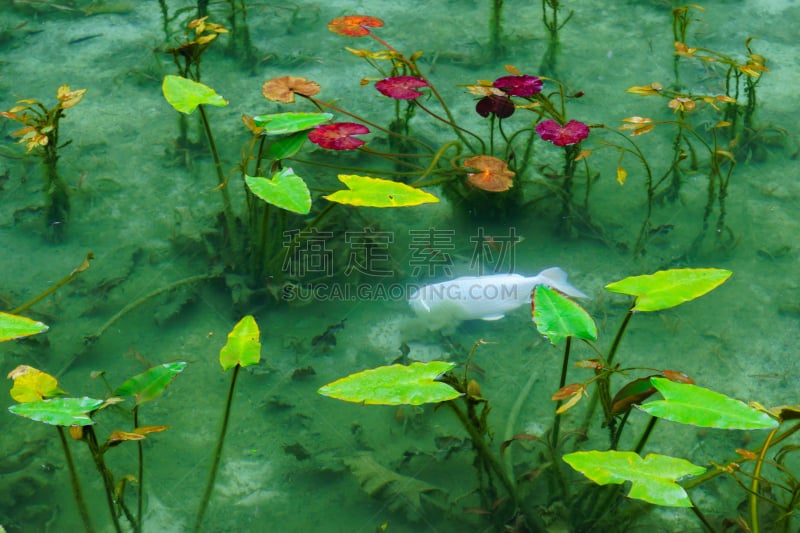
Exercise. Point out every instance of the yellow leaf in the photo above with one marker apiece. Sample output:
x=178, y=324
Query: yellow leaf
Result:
x=622, y=175
x=583, y=155
x=646, y=90
x=511, y=69
x=721, y=124
x=638, y=120
x=570, y=403
x=32, y=385
x=723, y=153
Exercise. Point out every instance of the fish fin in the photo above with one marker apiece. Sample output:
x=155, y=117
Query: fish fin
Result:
x=557, y=279
x=492, y=317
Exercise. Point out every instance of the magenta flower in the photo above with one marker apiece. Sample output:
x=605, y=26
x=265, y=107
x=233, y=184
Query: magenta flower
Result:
x=401, y=87
x=523, y=85
x=571, y=133
x=338, y=136
x=499, y=106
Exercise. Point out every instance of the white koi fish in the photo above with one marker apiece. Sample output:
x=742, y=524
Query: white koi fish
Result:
x=483, y=297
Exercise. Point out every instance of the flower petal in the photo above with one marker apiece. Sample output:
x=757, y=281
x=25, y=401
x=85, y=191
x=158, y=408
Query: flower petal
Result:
x=523, y=85
x=401, y=87
x=338, y=136
x=571, y=133
x=354, y=25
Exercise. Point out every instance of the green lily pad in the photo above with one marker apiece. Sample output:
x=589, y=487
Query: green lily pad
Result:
x=690, y=404
x=653, y=479
x=185, y=95
x=557, y=317
x=150, y=383
x=59, y=411
x=16, y=327
x=375, y=192
x=243, y=347
x=286, y=190
x=394, y=385
x=287, y=146
x=283, y=123
x=668, y=288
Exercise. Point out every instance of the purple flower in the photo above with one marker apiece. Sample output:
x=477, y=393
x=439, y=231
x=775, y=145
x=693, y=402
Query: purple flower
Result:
x=571, y=133
x=523, y=85
x=401, y=87
x=499, y=106
x=338, y=136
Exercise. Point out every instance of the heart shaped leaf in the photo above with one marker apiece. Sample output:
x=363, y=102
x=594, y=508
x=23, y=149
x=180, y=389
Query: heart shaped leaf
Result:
x=32, y=385
x=557, y=317
x=59, y=411
x=185, y=95
x=668, y=288
x=151, y=383
x=414, y=384
x=243, y=346
x=16, y=327
x=375, y=192
x=653, y=479
x=286, y=190
x=283, y=123
x=690, y=404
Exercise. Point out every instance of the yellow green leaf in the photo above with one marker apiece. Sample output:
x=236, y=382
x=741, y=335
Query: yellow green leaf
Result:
x=32, y=385
x=375, y=192
x=243, y=347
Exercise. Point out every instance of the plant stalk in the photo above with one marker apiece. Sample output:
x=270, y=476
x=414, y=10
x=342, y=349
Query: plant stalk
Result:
x=76, y=484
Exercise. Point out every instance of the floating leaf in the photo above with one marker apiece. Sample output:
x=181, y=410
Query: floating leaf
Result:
x=32, y=385
x=59, y=411
x=338, y=136
x=151, y=383
x=286, y=190
x=375, y=192
x=414, y=384
x=286, y=147
x=493, y=175
x=283, y=123
x=401, y=87
x=653, y=479
x=570, y=133
x=354, y=25
x=668, y=288
x=689, y=404
x=284, y=88
x=243, y=347
x=557, y=317
x=185, y=95
x=633, y=392
x=16, y=327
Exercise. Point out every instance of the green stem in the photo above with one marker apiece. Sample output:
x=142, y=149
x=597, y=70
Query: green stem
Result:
x=76, y=484
x=562, y=383
x=212, y=474
x=643, y=439
x=83, y=266
x=754, y=528
x=140, y=497
x=105, y=474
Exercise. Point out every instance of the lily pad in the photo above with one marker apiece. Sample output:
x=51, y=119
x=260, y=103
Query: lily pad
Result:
x=283, y=123
x=150, y=383
x=394, y=385
x=374, y=192
x=243, y=347
x=32, y=385
x=653, y=479
x=287, y=146
x=185, y=95
x=59, y=411
x=17, y=327
x=690, y=404
x=668, y=288
x=286, y=190
x=557, y=317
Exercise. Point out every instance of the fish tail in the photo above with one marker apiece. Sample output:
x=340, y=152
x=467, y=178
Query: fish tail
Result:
x=557, y=279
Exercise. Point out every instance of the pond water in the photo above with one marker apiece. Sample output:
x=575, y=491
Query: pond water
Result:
x=164, y=285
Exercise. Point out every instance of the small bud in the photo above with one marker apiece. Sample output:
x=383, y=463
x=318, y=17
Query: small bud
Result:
x=473, y=389
x=76, y=432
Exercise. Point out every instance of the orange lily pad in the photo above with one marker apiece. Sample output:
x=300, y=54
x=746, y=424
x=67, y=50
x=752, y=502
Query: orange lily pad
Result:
x=494, y=175
x=284, y=88
x=354, y=25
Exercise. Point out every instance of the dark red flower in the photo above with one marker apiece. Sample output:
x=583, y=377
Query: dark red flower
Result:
x=523, y=85
x=337, y=136
x=401, y=87
x=354, y=25
x=572, y=132
x=499, y=106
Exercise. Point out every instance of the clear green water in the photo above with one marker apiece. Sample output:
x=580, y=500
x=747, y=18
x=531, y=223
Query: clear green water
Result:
x=142, y=212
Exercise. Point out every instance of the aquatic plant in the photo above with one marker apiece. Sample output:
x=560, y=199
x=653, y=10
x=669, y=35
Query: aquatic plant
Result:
x=656, y=479
x=40, y=135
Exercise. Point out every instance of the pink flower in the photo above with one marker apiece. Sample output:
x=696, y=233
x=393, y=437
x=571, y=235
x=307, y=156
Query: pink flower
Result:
x=401, y=87
x=338, y=136
x=499, y=106
x=523, y=85
x=571, y=133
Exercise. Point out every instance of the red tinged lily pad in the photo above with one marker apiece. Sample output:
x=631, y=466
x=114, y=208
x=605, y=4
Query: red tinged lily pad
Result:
x=401, y=87
x=338, y=136
x=284, y=88
x=523, y=85
x=494, y=175
x=354, y=25
x=571, y=133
